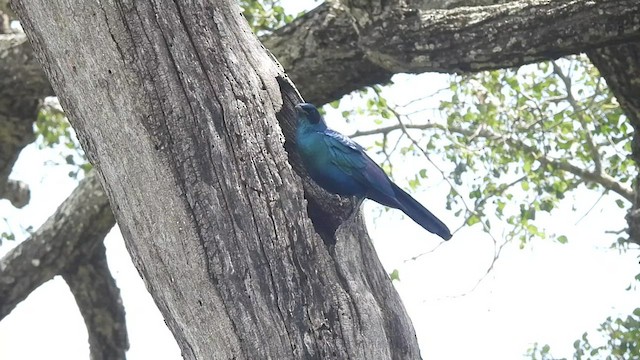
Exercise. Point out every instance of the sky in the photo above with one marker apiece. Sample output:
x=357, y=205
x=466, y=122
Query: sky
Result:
x=548, y=292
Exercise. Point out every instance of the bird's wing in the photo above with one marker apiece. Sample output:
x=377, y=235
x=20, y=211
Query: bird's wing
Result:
x=351, y=158
x=345, y=153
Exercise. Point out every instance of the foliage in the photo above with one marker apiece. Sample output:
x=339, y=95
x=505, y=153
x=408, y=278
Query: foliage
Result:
x=53, y=130
x=265, y=15
x=620, y=340
x=513, y=142
x=395, y=275
x=6, y=235
x=538, y=352
x=547, y=128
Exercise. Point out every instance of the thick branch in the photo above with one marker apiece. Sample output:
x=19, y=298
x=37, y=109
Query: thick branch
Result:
x=99, y=301
x=498, y=36
x=321, y=55
x=70, y=243
x=328, y=57
x=69, y=236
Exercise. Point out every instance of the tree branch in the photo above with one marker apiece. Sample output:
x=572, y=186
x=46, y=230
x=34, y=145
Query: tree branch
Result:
x=320, y=53
x=327, y=57
x=68, y=237
x=601, y=178
x=578, y=111
x=69, y=243
x=496, y=36
x=99, y=301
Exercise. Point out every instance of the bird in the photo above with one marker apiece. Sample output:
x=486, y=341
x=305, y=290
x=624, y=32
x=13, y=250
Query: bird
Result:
x=341, y=166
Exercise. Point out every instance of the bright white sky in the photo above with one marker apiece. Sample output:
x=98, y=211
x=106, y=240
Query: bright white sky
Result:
x=548, y=292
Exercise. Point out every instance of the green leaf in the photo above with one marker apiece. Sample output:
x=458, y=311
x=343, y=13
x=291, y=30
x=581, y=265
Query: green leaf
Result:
x=473, y=219
x=395, y=275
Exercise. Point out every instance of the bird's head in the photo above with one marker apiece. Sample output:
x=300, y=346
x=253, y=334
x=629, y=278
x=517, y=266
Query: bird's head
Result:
x=309, y=115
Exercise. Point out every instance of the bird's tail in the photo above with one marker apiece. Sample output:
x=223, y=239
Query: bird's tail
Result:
x=420, y=214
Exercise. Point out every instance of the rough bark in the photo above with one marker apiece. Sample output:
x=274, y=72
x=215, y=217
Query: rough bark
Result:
x=187, y=141
x=69, y=243
x=66, y=239
x=23, y=85
x=620, y=66
x=411, y=40
x=320, y=53
x=100, y=304
x=342, y=46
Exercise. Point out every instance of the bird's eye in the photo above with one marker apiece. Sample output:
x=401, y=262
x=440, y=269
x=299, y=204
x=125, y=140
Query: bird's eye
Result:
x=314, y=117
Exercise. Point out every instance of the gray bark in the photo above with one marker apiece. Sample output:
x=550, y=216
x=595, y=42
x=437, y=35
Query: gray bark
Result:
x=69, y=243
x=187, y=141
x=100, y=304
x=342, y=46
x=69, y=235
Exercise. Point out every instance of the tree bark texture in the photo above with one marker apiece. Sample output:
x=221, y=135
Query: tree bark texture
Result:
x=100, y=304
x=327, y=56
x=186, y=138
x=70, y=244
x=66, y=239
x=342, y=46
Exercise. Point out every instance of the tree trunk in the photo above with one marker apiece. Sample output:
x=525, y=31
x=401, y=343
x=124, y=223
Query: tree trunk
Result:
x=179, y=107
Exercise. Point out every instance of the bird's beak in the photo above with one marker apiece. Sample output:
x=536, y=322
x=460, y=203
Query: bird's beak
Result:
x=299, y=110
